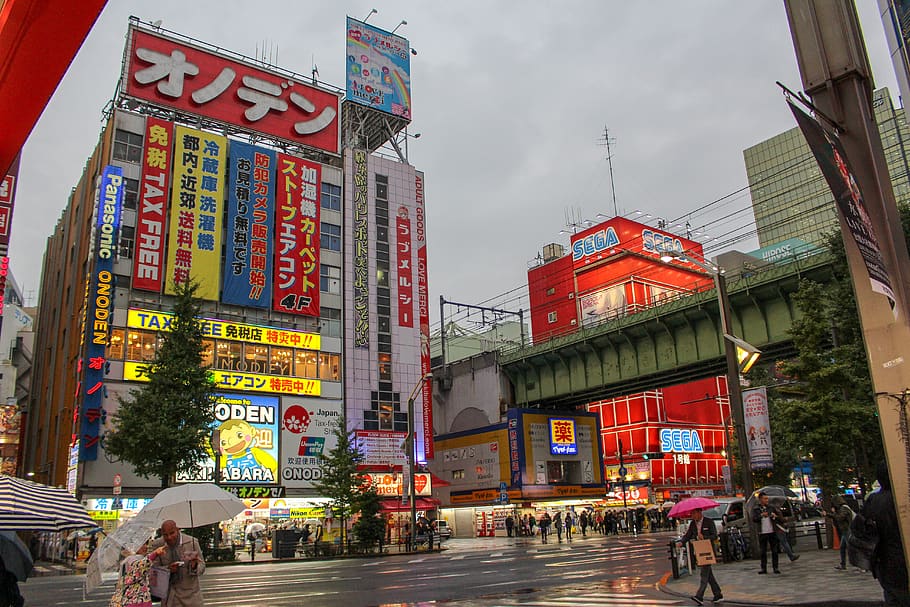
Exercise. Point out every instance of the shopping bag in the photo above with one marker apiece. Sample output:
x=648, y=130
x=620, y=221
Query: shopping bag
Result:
x=704, y=552
x=159, y=580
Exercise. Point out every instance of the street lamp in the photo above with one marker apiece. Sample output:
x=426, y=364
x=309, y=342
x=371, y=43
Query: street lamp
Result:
x=731, y=344
x=412, y=458
x=215, y=441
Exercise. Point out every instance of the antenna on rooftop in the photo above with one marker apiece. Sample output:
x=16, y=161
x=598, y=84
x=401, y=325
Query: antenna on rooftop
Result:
x=607, y=142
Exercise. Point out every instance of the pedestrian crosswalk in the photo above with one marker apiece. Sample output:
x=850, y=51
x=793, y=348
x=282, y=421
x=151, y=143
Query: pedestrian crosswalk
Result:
x=592, y=599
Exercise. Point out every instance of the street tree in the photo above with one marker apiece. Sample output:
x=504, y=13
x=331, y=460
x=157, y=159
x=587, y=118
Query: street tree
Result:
x=341, y=480
x=162, y=427
x=370, y=528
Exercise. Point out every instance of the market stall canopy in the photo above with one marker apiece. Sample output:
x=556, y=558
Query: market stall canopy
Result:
x=38, y=40
x=421, y=503
x=28, y=506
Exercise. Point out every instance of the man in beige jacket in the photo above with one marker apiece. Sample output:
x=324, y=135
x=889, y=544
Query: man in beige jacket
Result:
x=183, y=558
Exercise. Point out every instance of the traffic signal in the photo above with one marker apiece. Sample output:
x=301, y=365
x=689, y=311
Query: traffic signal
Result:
x=654, y=455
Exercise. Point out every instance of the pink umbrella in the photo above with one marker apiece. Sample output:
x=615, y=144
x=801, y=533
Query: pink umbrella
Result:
x=685, y=507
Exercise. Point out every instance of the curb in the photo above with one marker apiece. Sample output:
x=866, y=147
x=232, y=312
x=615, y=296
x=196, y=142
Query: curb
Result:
x=662, y=586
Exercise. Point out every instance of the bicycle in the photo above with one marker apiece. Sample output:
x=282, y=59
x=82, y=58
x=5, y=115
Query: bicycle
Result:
x=737, y=544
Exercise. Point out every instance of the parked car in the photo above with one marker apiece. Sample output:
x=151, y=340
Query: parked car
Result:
x=442, y=528
x=729, y=512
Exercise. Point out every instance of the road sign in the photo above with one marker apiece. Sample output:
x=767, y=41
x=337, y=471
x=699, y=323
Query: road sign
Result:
x=502, y=486
x=622, y=471
x=503, y=497
x=118, y=481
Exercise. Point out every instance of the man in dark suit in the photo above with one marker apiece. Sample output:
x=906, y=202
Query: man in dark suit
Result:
x=702, y=528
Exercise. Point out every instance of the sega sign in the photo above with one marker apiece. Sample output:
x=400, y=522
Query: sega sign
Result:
x=678, y=440
x=594, y=243
x=655, y=242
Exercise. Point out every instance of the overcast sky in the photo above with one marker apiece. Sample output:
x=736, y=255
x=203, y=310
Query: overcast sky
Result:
x=511, y=100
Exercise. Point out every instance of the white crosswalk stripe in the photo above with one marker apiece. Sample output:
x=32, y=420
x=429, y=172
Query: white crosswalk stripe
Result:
x=591, y=600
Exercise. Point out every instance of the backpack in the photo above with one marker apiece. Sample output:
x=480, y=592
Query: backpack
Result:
x=862, y=542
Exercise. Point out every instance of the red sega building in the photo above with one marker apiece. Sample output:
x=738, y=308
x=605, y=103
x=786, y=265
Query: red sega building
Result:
x=614, y=269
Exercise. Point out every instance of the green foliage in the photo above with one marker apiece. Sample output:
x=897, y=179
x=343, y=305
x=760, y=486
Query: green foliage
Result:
x=371, y=526
x=341, y=482
x=163, y=427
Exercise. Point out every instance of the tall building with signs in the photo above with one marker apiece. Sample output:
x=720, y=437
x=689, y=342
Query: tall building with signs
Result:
x=309, y=247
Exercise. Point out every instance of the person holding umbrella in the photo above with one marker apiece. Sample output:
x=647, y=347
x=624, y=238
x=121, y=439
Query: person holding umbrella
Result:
x=701, y=528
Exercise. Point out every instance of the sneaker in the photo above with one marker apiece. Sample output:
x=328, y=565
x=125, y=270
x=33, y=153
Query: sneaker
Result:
x=841, y=567
x=777, y=571
x=717, y=599
x=795, y=556
x=698, y=601
x=762, y=572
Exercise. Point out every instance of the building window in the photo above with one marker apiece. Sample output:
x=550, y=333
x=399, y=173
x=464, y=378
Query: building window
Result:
x=330, y=279
x=208, y=353
x=382, y=187
x=331, y=197
x=280, y=361
x=551, y=291
x=140, y=346
x=130, y=193
x=115, y=348
x=127, y=238
x=127, y=146
x=385, y=367
x=305, y=364
x=551, y=317
x=329, y=366
x=330, y=320
x=330, y=236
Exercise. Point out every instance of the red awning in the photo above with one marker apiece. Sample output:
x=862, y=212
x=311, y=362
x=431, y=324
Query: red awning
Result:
x=421, y=503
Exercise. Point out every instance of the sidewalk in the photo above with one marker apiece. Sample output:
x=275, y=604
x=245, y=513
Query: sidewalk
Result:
x=810, y=580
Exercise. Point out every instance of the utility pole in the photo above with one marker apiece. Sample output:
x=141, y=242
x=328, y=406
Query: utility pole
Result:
x=835, y=73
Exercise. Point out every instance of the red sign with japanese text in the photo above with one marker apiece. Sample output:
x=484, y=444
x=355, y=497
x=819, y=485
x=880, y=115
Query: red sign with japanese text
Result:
x=423, y=303
x=295, y=281
x=405, y=276
x=201, y=82
x=7, y=198
x=148, y=261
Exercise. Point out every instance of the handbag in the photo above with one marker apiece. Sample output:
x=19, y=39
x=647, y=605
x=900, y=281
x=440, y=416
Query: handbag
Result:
x=704, y=552
x=862, y=542
x=159, y=581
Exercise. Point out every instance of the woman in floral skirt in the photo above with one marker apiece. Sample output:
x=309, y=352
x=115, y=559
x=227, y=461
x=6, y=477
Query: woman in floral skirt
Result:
x=133, y=585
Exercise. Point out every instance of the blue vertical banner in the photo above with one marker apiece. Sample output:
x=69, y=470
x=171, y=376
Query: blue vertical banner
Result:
x=99, y=312
x=251, y=220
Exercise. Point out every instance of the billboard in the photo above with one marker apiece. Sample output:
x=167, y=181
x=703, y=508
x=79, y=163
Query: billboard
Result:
x=295, y=288
x=624, y=235
x=148, y=261
x=246, y=432
x=99, y=311
x=381, y=447
x=378, y=69
x=404, y=268
x=7, y=199
x=194, y=243
x=206, y=83
x=250, y=226
x=240, y=380
x=307, y=434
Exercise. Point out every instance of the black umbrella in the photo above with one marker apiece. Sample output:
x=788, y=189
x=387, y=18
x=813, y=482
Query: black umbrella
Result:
x=15, y=555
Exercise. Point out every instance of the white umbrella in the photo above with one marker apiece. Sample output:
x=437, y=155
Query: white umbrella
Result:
x=192, y=505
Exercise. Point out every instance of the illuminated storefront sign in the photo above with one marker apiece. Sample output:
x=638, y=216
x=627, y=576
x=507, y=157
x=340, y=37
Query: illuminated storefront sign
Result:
x=381, y=447
x=423, y=302
x=594, y=243
x=633, y=497
x=391, y=484
x=656, y=242
x=361, y=253
x=194, y=245
x=256, y=492
x=241, y=381
x=251, y=220
x=307, y=435
x=221, y=329
x=296, y=276
x=403, y=266
x=99, y=310
x=676, y=440
x=562, y=437
x=203, y=83
x=378, y=69
x=148, y=261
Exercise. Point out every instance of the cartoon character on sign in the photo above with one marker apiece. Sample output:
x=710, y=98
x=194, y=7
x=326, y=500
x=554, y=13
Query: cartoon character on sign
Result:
x=244, y=460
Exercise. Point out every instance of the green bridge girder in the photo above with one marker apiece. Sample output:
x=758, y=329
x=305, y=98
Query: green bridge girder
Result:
x=673, y=343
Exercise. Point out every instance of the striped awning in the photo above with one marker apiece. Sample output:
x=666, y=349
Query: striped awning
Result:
x=25, y=505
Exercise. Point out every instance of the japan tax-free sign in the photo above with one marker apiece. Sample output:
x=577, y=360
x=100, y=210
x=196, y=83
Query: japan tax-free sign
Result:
x=204, y=83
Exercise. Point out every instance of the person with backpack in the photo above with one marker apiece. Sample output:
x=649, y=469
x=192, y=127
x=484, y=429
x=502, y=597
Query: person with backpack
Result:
x=843, y=516
x=888, y=564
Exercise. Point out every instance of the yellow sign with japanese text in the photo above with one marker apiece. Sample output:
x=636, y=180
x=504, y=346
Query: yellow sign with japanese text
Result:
x=197, y=207
x=222, y=329
x=104, y=515
x=241, y=382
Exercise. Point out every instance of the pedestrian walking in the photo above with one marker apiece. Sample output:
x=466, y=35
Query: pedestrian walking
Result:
x=843, y=516
x=510, y=525
x=183, y=558
x=583, y=523
x=569, y=521
x=702, y=528
x=544, y=525
x=888, y=564
x=557, y=524
x=765, y=515
x=781, y=532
